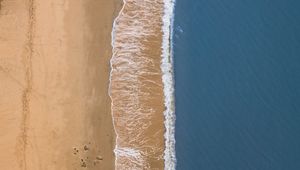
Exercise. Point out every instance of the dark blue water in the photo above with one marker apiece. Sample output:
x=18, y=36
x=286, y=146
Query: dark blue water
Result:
x=237, y=71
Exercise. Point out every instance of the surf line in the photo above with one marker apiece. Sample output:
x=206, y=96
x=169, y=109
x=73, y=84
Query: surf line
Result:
x=168, y=82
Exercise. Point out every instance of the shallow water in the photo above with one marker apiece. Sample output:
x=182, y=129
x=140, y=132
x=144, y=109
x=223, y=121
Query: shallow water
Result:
x=136, y=86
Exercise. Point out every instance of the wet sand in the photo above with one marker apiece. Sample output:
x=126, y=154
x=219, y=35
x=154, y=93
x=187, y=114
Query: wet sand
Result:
x=137, y=87
x=54, y=73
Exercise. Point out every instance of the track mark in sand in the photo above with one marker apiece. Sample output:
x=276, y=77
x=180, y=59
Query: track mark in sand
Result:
x=27, y=62
x=0, y=4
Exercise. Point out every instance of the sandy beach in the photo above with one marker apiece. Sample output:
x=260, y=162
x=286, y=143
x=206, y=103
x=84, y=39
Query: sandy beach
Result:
x=54, y=76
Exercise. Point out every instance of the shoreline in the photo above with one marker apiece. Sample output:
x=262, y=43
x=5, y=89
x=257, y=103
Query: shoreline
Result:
x=110, y=73
x=64, y=120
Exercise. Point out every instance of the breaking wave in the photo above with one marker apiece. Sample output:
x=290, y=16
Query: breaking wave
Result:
x=168, y=81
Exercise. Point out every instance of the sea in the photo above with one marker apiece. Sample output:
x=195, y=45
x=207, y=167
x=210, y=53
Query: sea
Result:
x=237, y=84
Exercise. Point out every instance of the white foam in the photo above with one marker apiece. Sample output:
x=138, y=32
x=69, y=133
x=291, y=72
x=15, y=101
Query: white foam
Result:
x=168, y=81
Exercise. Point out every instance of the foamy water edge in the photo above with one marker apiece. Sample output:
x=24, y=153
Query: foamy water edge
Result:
x=168, y=89
x=168, y=82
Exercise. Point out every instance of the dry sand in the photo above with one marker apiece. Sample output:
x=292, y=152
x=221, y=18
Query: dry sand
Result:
x=54, y=70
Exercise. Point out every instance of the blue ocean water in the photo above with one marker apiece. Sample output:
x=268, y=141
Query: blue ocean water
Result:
x=237, y=81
